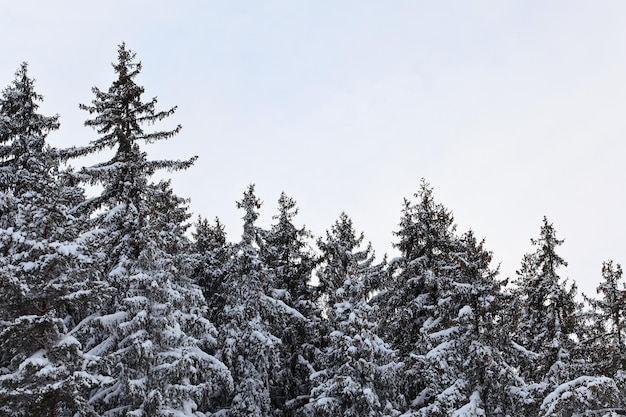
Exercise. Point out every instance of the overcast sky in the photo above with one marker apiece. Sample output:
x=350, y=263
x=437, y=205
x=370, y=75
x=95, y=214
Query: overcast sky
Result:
x=511, y=110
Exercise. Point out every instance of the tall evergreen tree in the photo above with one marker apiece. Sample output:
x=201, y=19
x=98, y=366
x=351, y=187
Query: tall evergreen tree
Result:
x=23, y=133
x=605, y=342
x=120, y=117
x=545, y=336
x=338, y=256
x=357, y=370
x=47, y=284
x=426, y=243
x=441, y=311
x=602, y=340
x=285, y=252
x=546, y=310
x=157, y=356
x=248, y=347
x=150, y=344
x=460, y=359
x=212, y=255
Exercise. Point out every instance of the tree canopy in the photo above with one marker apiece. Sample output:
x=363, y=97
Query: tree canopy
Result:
x=114, y=305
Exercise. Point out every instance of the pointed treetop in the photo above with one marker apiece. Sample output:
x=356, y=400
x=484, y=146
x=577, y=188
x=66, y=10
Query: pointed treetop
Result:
x=547, y=243
x=284, y=236
x=23, y=132
x=545, y=257
x=426, y=228
x=121, y=112
x=209, y=236
x=19, y=120
x=341, y=256
x=250, y=204
x=287, y=209
x=342, y=232
x=126, y=65
x=120, y=117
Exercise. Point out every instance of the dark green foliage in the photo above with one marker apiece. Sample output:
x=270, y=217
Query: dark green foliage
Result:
x=547, y=336
x=426, y=243
x=286, y=252
x=441, y=310
x=23, y=134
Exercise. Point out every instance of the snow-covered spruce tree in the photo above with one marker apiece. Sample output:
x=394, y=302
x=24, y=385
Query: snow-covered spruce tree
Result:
x=162, y=362
x=120, y=117
x=441, y=309
x=247, y=345
x=357, y=370
x=47, y=283
x=426, y=243
x=545, y=308
x=602, y=342
x=605, y=340
x=150, y=344
x=545, y=336
x=338, y=256
x=212, y=254
x=285, y=251
x=460, y=360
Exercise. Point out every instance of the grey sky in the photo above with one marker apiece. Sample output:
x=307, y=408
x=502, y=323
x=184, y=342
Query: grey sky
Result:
x=510, y=109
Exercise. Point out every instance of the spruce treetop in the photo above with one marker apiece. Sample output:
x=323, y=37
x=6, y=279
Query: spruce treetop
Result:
x=23, y=131
x=546, y=311
x=426, y=228
x=120, y=115
x=250, y=203
x=340, y=254
x=120, y=111
x=209, y=236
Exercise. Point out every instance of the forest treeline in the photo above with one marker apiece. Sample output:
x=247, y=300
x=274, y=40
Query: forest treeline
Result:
x=108, y=308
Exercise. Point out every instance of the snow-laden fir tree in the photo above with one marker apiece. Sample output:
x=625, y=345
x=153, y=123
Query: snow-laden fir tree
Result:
x=212, y=254
x=248, y=347
x=441, y=308
x=120, y=115
x=545, y=336
x=47, y=283
x=460, y=359
x=285, y=252
x=426, y=243
x=158, y=357
x=150, y=344
x=605, y=339
x=337, y=257
x=545, y=311
x=602, y=339
x=357, y=370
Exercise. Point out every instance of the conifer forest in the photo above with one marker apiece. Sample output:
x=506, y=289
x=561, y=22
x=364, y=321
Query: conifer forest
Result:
x=124, y=304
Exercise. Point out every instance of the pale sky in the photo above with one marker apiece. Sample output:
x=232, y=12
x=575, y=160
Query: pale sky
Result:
x=512, y=110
